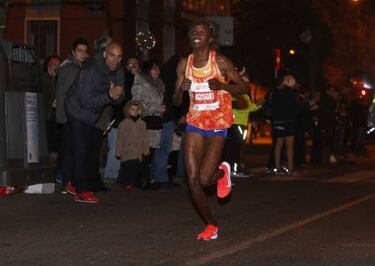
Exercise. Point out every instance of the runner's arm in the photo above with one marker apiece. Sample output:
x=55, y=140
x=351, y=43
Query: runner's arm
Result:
x=181, y=83
x=237, y=85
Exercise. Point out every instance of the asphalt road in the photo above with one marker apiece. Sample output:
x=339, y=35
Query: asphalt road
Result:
x=325, y=216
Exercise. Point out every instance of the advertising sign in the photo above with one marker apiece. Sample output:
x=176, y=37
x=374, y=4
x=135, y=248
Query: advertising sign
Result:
x=31, y=115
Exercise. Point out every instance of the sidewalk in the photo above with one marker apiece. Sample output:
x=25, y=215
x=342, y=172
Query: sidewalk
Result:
x=258, y=151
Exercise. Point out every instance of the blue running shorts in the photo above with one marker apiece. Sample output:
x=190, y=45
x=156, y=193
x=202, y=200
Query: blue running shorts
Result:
x=208, y=133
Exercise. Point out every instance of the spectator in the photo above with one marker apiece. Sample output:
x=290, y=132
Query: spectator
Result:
x=160, y=159
x=342, y=123
x=94, y=178
x=359, y=113
x=267, y=115
x=301, y=126
x=284, y=112
x=132, y=145
x=132, y=67
x=235, y=142
x=149, y=89
x=96, y=86
x=95, y=182
x=327, y=122
x=316, y=144
x=100, y=44
x=112, y=166
x=66, y=74
x=49, y=92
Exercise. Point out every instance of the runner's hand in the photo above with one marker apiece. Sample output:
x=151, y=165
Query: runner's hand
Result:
x=186, y=84
x=214, y=84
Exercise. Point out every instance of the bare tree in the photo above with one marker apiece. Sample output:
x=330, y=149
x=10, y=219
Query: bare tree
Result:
x=351, y=26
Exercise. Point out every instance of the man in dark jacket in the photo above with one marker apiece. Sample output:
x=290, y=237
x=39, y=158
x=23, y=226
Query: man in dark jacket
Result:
x=95, y=87
x=66, y=74
x=112, y=166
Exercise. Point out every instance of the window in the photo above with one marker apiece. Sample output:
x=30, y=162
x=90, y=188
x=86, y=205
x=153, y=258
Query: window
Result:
x=43, y=36
x=207, y=8
x=199, y=6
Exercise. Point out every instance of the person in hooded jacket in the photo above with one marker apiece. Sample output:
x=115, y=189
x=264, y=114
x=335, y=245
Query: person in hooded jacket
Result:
x=132, y=145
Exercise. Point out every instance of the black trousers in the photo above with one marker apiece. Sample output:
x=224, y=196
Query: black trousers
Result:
x=130, y=172
x=82, y=135
x=94, y=179
x=146, y=167
x=53, y=137
x=64, y=154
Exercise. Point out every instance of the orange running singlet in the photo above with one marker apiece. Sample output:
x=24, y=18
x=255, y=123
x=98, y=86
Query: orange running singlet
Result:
x=209, y=109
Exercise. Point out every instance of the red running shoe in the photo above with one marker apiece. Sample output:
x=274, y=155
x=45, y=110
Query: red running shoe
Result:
x=3, y=191
x=69, y=189
x=224, y=184
x=86, y=197
x=7, y=191
x=209, y=233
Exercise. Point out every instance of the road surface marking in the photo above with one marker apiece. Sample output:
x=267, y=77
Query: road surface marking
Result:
x=352, y=177
x=361, y=245
x=232, y=249
x=283, y=178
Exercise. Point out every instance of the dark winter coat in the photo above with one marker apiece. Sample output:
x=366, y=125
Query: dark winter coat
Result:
x=89, y=94
x=66, y=74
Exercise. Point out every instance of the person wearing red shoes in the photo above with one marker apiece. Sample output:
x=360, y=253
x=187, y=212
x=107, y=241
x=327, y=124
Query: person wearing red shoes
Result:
x=96, y=86
x=210, y=79
x=132, y=145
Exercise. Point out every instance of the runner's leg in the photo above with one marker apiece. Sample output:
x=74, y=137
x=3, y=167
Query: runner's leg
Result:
x=194, y=150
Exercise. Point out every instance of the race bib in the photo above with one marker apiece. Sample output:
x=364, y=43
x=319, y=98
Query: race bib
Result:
x=199, y=87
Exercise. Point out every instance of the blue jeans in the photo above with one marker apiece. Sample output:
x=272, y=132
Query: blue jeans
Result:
x=112, y=166
x=160, y=159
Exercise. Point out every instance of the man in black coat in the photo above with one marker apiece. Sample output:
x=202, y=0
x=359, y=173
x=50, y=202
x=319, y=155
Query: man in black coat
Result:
x=66, y=74
x=96, y=86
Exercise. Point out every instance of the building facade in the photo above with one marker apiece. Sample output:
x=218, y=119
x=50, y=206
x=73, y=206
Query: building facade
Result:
x=50, y=26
